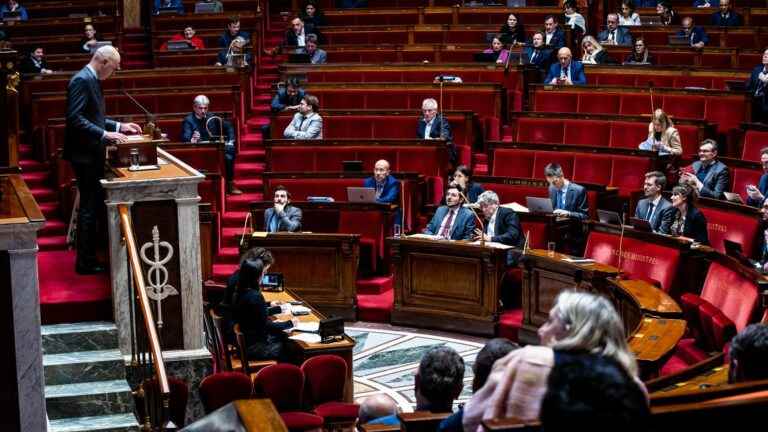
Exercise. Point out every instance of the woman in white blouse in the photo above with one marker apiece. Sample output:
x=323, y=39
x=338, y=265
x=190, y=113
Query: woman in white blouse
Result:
x=627, y=15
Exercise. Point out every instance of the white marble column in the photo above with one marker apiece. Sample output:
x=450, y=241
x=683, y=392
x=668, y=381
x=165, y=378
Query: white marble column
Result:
x=118, y=272
x=191, y=275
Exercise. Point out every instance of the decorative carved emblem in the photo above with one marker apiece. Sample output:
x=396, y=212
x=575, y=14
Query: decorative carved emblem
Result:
x=13, y=82
x=157, y=287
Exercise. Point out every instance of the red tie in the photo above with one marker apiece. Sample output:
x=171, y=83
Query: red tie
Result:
x=446, y=232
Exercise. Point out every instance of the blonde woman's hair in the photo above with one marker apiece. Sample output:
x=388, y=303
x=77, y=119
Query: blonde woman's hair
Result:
x=663, y=118
x=592, y=324
x=594, y=42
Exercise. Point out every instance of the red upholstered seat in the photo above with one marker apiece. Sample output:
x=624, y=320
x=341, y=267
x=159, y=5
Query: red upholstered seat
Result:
x=375, y=307
x=738, y=227
x=513, y=163
x=592, y=168
x=283, y=383
x=686, y=353
x=727, y=112
x=338, y=410
x=536, y=232
x=688, y=107
x=326, y=377
x=638, y=104
x=301, y=421
x=370, y=226
x=556, y=102
x=539, y=131
x=599, y=103
x=544, y=158
x=626, y=171
x=753, y=141
x=743, y=177
x=614, y=79
x=516, y=193
x=733, y=293
x=628, y=134
x=587, y=132
x=222, y=388
x=510, y=322
x=689, y=138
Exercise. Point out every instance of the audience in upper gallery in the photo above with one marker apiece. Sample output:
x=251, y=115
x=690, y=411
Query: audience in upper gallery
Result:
x=708, y=176
x=566, y=71
x=554, y=36
x=387, y=186
x=312, y=15
x=13, y=10
x=592, y=393
x=307, y=123
x=376, y=406
x=574, y=19
x=432, y=125
x=628, y=16
x=288, y=97
x=749, y=354
x=537, y=53
x=513, y=31
x=498, y=50
x=316, y=55
x=756, y=86
x=232, y=31
x=640, y=54
x=667, y=14
x=663, y=137
x=696, y=35
x=726, y=16
x=264, y=337
x=653, y=205
x=235, y=56
x=164, y=5
x=187, y=35
x=218, y=7
x=462, y=177
x=452, y=221
x=578, y=322
x=613, y=33
x=756, y=194
x=568, y=198
x=593, y=52
x=90, y=37
x=438, y=382
x=493, y=350
x=706, y=3
x=683, y=218
x=35, y=63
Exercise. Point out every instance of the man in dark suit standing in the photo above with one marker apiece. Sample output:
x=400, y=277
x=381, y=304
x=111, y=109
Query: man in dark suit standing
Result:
x=554, y=36
x=387, y=187
x=452, y=221
x=86, y=137
x=756, y=87
x=726, y=17
x=710, y=177
x=568, y=199
x=433, y=126
x=652, y=207
x=282, y=216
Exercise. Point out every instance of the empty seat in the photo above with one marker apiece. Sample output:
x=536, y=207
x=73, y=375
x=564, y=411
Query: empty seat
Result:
x=539, y=131
x=587, y=132
x=592, y=168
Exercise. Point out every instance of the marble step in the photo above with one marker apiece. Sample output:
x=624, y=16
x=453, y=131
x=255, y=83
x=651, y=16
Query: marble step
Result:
x=88, y=399
x=83, y=366
x=107, y=423
x=86, y=336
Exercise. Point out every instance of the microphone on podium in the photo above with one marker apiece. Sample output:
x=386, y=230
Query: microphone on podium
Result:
x=150, y=128
x=624, y=211
x=472, y=208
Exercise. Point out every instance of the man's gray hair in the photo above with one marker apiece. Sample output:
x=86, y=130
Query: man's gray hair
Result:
x=106, y=52
x=429, y=103
x=201, y=100
x=615, y=15
x=553, y=170
x=488, y=197
x=711, y=142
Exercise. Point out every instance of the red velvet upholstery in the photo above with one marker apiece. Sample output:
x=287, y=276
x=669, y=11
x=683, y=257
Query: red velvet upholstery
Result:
x=301, y=421
x=683, y=106
x=283, y=383
x=326, y=376
x=510, y=322
x=717, y=328
x=628, y=134
x=513, y=163
x=600, y=103
x=733, y=293
x=587, y=132
x=592, y=168
x=540, y=130
x=728, y=225
x=516, y=193
x=626, y=172
x=640, y=259
x=754, y=141
x=743, y=177
x=558, y=102
x=222, y=388
x=370, y=226
x=536, y=232
x=375, y=307
x=544, y=158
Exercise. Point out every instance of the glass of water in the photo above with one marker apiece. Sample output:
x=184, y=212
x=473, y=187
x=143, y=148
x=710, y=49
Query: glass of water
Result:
x=134, y=159
x=397, y=231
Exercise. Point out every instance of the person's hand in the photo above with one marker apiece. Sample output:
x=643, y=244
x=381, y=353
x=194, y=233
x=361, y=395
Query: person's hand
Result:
x=275, y=303
x=46, y=71
x=291, y=108
x=279, y=208
x=693, y=179
x=479, y=234
x=195, y=137
x=285, y=308
x=555, y=81
x=698, y=45
x=567, y=81
x=217, y=64
x=754, y=193
x=561, y=212
x=499, y=61
x=115, y=137
x=295, y=322
x=130, y=128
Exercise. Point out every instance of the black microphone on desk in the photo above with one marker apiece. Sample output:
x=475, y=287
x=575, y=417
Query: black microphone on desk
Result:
x=150, y=128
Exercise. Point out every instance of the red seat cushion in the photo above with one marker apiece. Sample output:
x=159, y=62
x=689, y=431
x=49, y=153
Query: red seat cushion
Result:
x=628, y=134
x=587, y=132
x=727, y=225
x=731, y=292
x=717, y=328
x=754, y=141
x=627, y=173
x=337, y=410
x=222, y=388
x=301, y=421
x=743, y=177
x=513, y=163
x=544, y=158
x=510, y=322
x=592, y=168
x=555, y=102
x=325, y=378
x=283, y=383
x=537, y=130
x=599, y=103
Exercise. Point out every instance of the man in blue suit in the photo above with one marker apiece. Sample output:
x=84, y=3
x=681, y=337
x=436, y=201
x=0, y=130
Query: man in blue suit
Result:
x=696, y=35
x=537, y=53
x=87, y=135
x=652, y=207
x=452, y=221
x=726, y=17
x=566, y=71
x=568, y=199
x=282, y=216
x=710, y=177
x=554, y=36
x=756, y=86
x=387, y=187
x=613, y=34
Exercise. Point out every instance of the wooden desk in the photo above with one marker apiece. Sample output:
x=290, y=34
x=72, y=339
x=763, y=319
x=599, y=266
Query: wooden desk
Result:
x=301, y=350
x=705, y=374
x=322, y=268
x=446, y=285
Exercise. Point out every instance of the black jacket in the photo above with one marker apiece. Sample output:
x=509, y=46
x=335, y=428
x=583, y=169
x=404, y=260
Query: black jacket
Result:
x=695, y=224
x=507, y=231
x=192, y=124
x=252, y=312
x=28, y=66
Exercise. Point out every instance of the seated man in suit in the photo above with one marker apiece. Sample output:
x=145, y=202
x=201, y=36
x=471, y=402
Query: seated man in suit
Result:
x=197, y=126
x=537, y=53
x=652, y=207
x=387, y=187
x=233, y=31
x=757, y=194
x=501, y=224
x=282, y=216
x=316, y=55
x=168, y=4
x=307, y=123
x=554, y=36
x=710, y=177
x=566, y=71
x=35, y=63
x=12, y=7
x=613, y=34
x=568, y=199
x=433, y=126
x=756, y=88
x=695, y=34
x=452, y=221
x=726, y=17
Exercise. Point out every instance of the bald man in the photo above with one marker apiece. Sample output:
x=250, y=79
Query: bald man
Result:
x=387, y=187
x=88, y=132
x=566, y=71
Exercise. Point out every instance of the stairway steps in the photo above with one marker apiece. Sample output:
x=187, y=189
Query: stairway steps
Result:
x=242, y=202
x=228, y=255
x=248, y=168
x=233, y=218
x=230, y=236
x=108, y=423
x=251, y=184
x=50, y=210
x=52, y=242
x=251, y=154
x=36, y=179
x=53, y=227
x=31, y=165
x=88, y=399
x=44, y=194
x=83, y=366
x=86, y=336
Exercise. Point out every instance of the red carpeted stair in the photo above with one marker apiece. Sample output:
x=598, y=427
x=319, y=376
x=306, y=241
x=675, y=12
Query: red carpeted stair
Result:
x=375, y=298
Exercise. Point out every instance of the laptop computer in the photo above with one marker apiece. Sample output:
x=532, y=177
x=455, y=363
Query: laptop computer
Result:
x=733, y=249
x=179, y=45
x=485, y=57
x=640, y=224
x=167, y=10
x=608, y=217
x=679, y=40
x=352, y=166
x=205, y=7
x=538, y=204
x=299, y=58
x=361, y=194
x=733, y=197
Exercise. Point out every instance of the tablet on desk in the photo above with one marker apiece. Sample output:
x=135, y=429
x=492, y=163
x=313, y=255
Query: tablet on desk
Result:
x=539, y=204
x=733, y=197
x=608, y=217
x=640, y=224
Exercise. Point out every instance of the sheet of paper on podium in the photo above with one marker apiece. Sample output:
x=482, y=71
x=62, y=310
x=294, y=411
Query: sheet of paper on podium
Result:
x=516, y=207
x=424, y=236
x=259, y=234
x=306, y=337
x=308, y=326
x=495, y=245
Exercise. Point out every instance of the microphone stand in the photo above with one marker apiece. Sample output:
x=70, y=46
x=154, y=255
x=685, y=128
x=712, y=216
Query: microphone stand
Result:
x=220, y=135
x=151, y=128
x=478, y=218
x=621, y=242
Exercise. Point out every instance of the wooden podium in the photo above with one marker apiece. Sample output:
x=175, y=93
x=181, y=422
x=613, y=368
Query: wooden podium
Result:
x=447, y=285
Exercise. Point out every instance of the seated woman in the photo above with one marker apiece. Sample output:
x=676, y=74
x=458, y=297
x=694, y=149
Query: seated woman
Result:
x=312, y=15
x=189, y=36
x=573, y=18
x=463, y=177
x=90, y=37
x=512, y=32
x=578, y=322
x=667, y=14
x=627, y=14
x=683, y=218
x=593, y=52
x=640, y=54
x=497, y=49
x=663, y=137
x=263, y=336
x=235, y=55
